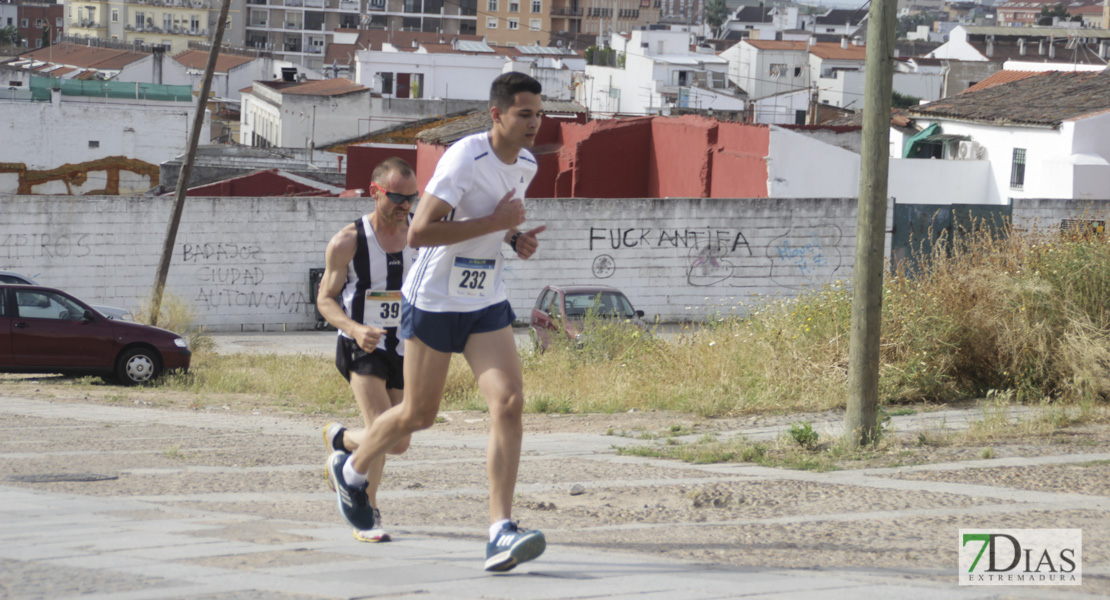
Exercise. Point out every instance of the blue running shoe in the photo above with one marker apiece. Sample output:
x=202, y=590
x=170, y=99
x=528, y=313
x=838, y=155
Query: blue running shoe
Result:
x=354, y=504
x=513, y=545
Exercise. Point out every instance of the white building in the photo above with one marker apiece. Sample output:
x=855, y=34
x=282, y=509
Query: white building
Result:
x=93, y=143
x=656, y=71
x=764, y=68
x=1043, y=136
x=301, y=114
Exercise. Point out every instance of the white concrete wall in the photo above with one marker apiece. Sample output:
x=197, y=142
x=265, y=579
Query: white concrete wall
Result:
x=780, y=109
x=921, y=181
x=320, y=119
x=957, y=48
x=799, y=166
x=243, y=262
x=47, y=135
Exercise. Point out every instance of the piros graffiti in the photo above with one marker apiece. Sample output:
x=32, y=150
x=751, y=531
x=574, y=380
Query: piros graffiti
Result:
x=45, y=245
x=290, y=302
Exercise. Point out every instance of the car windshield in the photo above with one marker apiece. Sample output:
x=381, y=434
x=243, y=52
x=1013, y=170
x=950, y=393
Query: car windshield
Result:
x=605, y=304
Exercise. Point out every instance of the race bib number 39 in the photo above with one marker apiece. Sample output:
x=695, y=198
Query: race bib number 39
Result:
x=472, y=277
x=382, y=309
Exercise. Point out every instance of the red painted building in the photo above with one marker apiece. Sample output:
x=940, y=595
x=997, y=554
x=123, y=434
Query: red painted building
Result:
x=646, y=157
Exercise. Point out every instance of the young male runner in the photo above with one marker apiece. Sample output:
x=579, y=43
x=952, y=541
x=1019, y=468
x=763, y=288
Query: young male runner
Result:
x=360, y=295
x=454, y=301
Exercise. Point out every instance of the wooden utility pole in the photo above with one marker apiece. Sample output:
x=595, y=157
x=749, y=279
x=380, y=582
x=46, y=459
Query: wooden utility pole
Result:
x=186, y=169
x=861, y=425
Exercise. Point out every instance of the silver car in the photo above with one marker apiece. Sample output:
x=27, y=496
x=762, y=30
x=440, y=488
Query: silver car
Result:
x=112, y=312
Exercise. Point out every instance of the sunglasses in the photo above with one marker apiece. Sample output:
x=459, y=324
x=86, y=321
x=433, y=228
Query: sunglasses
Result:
x=395, y=197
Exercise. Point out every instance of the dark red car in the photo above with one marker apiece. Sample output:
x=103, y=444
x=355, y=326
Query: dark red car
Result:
x=568, y=305
x=44, y=330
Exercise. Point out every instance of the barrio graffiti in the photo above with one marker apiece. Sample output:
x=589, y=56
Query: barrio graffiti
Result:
x=793, y=257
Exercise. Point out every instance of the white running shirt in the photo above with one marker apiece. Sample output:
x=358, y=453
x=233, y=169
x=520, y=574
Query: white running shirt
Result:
x=466, y=277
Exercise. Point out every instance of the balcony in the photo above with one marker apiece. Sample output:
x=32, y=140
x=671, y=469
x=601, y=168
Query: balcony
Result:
x=349, y=5
x=566, y=12
x=292, y=25
x=316, y=3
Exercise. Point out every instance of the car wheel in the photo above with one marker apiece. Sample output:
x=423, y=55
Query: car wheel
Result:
x=138, y=366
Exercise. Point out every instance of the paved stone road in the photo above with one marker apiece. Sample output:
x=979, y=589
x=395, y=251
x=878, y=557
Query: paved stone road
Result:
x=247, y=517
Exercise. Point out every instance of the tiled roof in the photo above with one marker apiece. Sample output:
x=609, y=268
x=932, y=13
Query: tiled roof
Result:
x=316, y=87
x=482, y=121
x=1046, y=99
x=753, y=14
x=840, y=16
x=198, y=59
x=829, y=51
x=1000, y=78
x=777, y=45
x=87, y=57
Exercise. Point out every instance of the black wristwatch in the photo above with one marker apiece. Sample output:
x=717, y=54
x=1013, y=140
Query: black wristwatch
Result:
x=512, y=240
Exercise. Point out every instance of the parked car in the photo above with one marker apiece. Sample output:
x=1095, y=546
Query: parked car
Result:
x=562, y=309
x=111, y=312
x=44, y=330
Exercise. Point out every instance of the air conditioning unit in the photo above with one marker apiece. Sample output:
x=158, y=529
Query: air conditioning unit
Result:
x=969, y=150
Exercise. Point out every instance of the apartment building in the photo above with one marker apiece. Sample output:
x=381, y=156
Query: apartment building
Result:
x=300, y=31
x=169, y=23
x=544, y=22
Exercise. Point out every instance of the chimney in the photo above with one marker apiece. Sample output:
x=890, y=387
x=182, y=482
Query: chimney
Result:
x=1021, y=46
x=1052, y=50
x=844, y=41
x=1040, y=47
x=990, y=46
x=1102, y=53
x=158, y=54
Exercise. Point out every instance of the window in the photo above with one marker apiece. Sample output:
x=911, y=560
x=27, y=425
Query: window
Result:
x=38, y=42
x=514, y=7
x=140, y=19
x=491, y=22
x=115, y=15
x=58, y=22
x=387, y=83
x=514, y=24
x=492, y=5
x=1017, y=170
x=778, y=70
x=94, y=144
x=38, y=23
x=534, y=24
x=537, y=6
x=23, y=22
x=194, y=24
x=167, y=22
x=47, y=305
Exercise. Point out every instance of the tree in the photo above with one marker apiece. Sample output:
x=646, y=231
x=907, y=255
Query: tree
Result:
x=1050, y=12
x=9, y=36
x=716, y=13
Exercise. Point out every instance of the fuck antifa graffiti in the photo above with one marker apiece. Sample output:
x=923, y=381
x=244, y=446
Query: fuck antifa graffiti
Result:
x=793, y=257
x=231, y=276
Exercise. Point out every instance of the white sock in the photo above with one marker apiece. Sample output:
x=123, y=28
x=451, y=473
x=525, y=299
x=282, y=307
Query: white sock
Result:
x=496, y=527
x=351, y=476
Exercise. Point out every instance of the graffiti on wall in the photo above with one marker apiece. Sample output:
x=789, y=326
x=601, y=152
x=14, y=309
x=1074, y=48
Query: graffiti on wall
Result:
x=230, y=275
x=795, y=258
x=79, y=179
x=48, y=245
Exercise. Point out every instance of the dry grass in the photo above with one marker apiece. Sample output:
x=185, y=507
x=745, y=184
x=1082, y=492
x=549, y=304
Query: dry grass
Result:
x=1024, y=314
x=178, y=316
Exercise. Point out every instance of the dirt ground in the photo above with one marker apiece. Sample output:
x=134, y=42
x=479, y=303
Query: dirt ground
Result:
x=574, y=487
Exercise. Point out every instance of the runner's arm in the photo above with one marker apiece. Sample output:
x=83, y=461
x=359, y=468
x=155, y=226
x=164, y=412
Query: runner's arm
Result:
x=429, y=229
x=340, y=252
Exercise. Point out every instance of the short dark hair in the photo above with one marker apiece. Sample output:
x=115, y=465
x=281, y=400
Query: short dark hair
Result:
x=389, y=166
x=502, y=93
